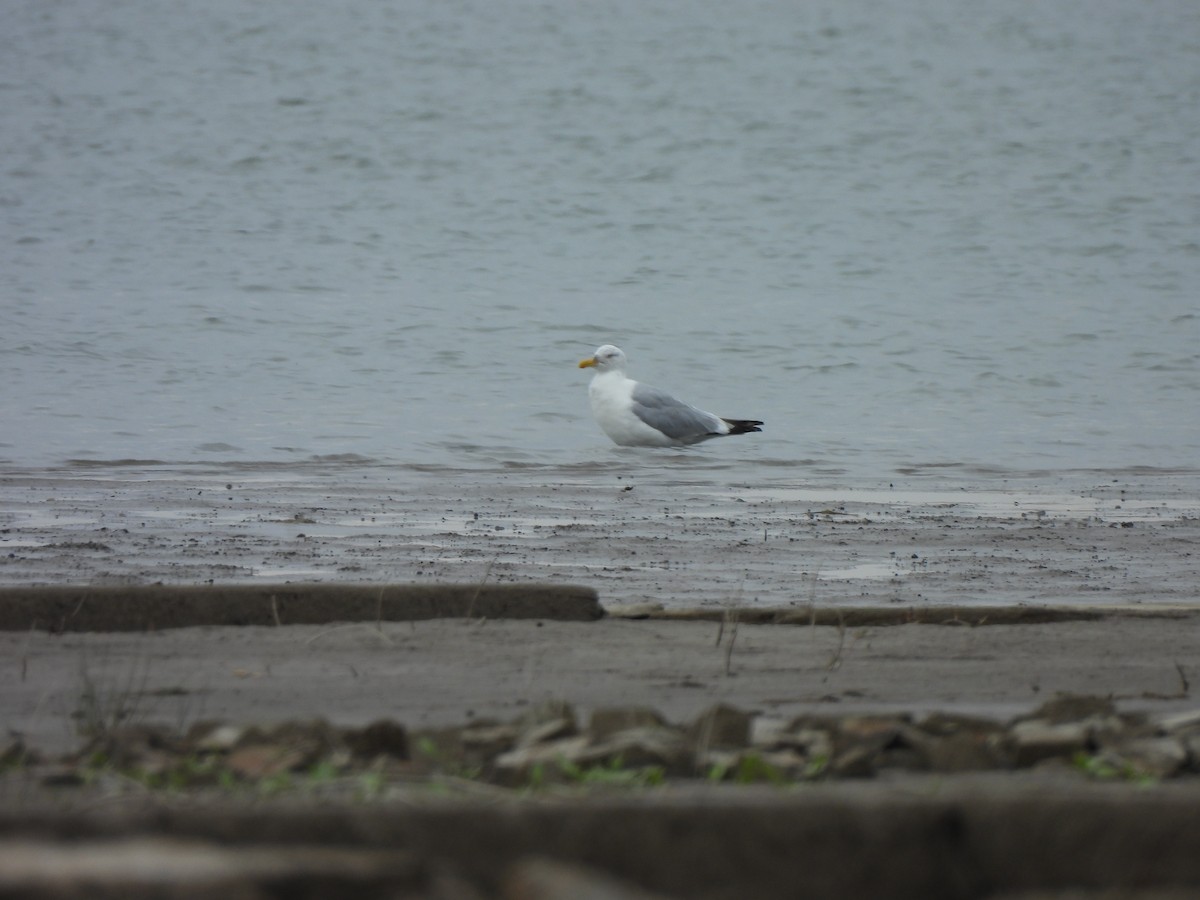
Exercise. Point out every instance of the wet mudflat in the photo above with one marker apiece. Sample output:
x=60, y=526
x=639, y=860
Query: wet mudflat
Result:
x=858, y=711
x=680, y=533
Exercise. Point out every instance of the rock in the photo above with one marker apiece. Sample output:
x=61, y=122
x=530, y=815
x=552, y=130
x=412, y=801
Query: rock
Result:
x=860, y=743
x=607, y=721
x=804, y=738
x=481, y=741
x=518, y=765
x=807, y=739
x=435, y=748
x=265, y=760
x=813, y=743
x=718, y=764
x=1071, y=724
x=880, y=730
x=768, y=732
x=1034, y=740
x=794, y=765
x=316, y=734
x=940, y=724
x=157, y=762
x=1073, y=708
x=547, y=711
x=216, y=737
x=1181, y=723
x=632, y=748
x=1191, y=743
x=544, y=732
x=951, y=743
x=381, y=738
x=286, y=747
x=902, y=756
x=646, y=746
x=1160, y=757
x=758, y=766
x=721, y=727
x=966, y=752
x=547, y=721
x=871, y=732
x=854, y=762
x=131, y=746
x=61, y=776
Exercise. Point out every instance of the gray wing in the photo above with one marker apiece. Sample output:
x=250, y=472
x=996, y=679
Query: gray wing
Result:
x=672, y=417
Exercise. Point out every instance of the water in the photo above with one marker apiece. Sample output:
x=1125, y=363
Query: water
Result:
x=931, y=234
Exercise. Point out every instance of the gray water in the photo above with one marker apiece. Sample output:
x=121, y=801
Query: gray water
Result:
x=903, y=234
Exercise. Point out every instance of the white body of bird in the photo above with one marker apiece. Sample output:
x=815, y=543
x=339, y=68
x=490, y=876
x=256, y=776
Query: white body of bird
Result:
x=633, y=414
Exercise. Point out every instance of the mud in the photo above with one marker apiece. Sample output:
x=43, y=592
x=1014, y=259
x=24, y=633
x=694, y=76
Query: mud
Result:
x=678, y=533
x=918, y=600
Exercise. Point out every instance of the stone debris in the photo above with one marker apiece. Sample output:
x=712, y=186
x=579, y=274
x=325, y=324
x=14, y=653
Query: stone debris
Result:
x=634, y=744
x=1038, y=739
x=499, y=848
x=607, y=721
x=722, y=727
x=382, y=738
x=1152, y=757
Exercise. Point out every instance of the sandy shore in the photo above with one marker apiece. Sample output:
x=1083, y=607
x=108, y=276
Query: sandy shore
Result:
x=941, y=568
x=676, y=533
x=1108, y=542
x=447, y=672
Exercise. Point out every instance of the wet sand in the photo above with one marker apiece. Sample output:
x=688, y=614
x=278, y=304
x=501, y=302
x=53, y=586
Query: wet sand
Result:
x=897, y=600
x=681, y=533
x=1098, y=543
x=448, y=672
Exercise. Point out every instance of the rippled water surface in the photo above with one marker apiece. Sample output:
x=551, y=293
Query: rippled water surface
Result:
x=904, y=235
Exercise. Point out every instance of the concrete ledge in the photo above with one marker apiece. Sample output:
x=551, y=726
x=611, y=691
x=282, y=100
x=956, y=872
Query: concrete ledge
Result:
x=149, y=867
x=158, y=606
x=863, y=616
x=935, y=841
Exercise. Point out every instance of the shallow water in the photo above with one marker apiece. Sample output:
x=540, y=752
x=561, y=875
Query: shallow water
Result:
x=928, y=235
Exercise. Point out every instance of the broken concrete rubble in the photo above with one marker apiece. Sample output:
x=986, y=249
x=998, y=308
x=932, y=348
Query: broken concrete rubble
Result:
x=723, y=742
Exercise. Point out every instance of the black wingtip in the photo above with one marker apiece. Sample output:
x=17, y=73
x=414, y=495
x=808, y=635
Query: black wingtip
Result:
x=742, y=426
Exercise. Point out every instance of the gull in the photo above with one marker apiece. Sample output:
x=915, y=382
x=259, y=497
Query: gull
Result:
x=637, y=415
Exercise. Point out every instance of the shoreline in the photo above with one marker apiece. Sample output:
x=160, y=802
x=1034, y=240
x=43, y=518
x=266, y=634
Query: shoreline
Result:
x=448, y=671
x=856, y=611
x=661, y=534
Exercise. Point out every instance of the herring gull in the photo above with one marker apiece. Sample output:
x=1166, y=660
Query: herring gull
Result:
x=637, y=415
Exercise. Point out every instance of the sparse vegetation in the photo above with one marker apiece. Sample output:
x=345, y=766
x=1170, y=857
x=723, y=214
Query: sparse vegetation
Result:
x=613, y=774
x=106, y=705
x=1103, y=768
x=545, y=750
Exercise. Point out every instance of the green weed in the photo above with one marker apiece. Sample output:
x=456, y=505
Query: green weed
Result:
x=1105, y=769
x=614, y=773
